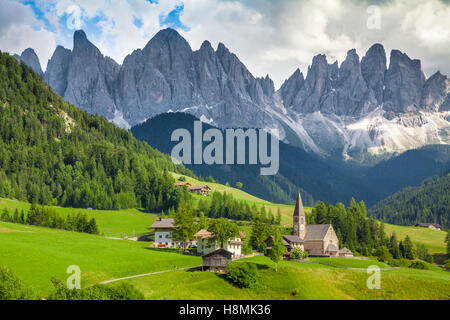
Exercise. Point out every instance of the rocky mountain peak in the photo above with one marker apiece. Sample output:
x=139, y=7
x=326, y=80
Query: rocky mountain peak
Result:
x=373, y=69
x=30, y=58
x=291, y=87
x=404, y=81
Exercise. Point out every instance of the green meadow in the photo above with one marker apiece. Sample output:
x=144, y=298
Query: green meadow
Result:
x=298, y=281
x=37, y=254
x=130, y=222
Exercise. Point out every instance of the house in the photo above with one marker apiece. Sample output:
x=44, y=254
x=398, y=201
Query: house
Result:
x=203, y=190
x=217, y=261
x=206, y=243
x=182, y=184
x=345, y=253
x=164, y=233
x=317, y=240
x=290, y=242
x=433, y=226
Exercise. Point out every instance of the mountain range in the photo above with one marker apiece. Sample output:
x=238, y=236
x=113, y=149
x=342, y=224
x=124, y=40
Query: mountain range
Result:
x=362, y=110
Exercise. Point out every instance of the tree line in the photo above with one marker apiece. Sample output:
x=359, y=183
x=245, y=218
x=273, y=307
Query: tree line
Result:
x=224, y=205
x=363, y=234
x=47, y=217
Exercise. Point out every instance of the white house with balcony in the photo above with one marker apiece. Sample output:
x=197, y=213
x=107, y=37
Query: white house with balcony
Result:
x=206, y=243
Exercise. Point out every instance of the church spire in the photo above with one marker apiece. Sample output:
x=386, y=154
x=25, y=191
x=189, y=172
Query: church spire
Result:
x=299, y=210
x=299, y=219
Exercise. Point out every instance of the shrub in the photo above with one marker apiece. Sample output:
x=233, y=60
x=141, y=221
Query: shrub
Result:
x=397, y=263
x=12, y=288
x=447, y=265
x=298, y=254
x=243, y=275
x=418, y=265
x=123, y=291
x=382, y=254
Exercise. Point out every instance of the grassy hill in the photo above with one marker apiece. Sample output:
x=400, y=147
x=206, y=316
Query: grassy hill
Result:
x=298, y=281
x=38, y=254
x=129, y=222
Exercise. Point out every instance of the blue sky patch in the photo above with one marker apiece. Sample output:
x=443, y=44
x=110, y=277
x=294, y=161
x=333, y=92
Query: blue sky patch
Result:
x=172, y=20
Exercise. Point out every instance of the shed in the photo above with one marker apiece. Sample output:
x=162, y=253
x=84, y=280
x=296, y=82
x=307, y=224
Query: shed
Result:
x=217, y=261
x=345, y=253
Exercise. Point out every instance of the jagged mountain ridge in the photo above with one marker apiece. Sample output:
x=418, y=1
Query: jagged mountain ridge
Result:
x=361, y=110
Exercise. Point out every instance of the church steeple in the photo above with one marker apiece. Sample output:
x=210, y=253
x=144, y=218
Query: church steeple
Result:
x=299, y=219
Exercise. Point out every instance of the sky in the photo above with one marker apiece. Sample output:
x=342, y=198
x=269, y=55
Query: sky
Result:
x=269, y=37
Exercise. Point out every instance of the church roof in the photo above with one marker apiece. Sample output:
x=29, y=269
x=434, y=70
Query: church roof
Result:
x=316, y=232
x=299, y=210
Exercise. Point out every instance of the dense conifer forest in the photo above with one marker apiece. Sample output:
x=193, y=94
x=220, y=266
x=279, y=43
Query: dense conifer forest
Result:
x=52, y=153
x=429, y=202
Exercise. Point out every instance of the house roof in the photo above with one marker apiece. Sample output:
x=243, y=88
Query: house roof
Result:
x=332, y=248
x=194, y=188
x=203, y=234
x=162, y=223
x=285, y=243
x=222, y=252
x=293, y=239
x=426, y=225
x=243, y=235
x=179, y=184
x=316, y=232
x=345, y=250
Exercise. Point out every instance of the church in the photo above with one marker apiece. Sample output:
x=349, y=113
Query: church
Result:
x=317, y=240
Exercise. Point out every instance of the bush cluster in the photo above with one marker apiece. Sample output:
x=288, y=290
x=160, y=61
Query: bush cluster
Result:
x=243, y=275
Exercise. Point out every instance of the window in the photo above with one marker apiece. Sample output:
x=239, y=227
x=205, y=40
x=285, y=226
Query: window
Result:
x=160, y=236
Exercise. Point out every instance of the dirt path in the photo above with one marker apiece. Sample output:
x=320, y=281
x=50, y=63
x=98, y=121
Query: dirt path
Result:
x=147, y=274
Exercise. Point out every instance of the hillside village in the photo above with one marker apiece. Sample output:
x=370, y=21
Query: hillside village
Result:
x=316, y=240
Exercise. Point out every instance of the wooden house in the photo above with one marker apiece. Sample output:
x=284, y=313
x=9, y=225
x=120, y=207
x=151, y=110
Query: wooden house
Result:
x=182, y=184
x=217, y=261
x=433, y=226
x=203, y=190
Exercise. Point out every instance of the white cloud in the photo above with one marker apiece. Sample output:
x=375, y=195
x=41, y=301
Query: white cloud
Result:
x=19, y=30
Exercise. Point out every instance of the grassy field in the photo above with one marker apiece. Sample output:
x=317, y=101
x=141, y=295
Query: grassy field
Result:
x=295, y=280
x=37, y=254
x=433, y=239
x=130, y=222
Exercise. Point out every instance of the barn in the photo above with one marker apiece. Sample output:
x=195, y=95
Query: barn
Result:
x=217, y=261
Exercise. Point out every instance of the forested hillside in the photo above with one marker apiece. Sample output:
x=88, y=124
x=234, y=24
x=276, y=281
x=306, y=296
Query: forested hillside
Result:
x=53, y=153
x=429, y=202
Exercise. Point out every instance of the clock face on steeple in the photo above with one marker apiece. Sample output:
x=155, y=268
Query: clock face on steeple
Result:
x=296, y=227
x=302, y=227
